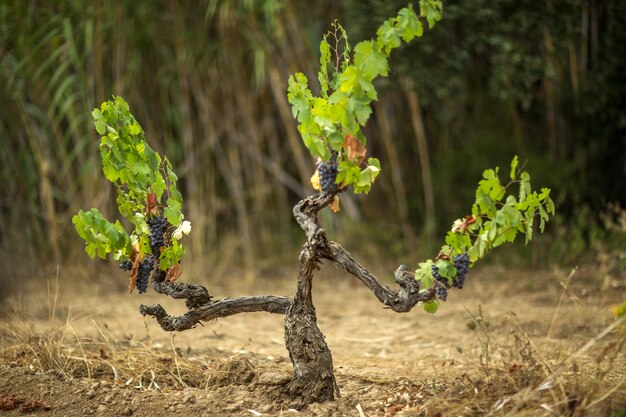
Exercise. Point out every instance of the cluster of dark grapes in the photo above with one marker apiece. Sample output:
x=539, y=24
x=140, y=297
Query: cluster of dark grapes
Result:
x=126, y=265
x=143, y=274
x=441, y=284
x=328, y=174
x=157, y=225
x=461, y=263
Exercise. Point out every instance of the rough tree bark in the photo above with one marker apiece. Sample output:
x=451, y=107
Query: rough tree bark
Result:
x=313, y=379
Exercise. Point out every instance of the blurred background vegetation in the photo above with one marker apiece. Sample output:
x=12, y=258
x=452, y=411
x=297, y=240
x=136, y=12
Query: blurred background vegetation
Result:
x=207, y=81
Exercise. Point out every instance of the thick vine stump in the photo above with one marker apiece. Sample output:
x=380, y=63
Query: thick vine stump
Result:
x=313, y=379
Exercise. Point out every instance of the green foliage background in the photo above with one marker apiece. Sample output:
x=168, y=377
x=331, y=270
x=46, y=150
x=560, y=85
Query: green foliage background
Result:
x=207, y=81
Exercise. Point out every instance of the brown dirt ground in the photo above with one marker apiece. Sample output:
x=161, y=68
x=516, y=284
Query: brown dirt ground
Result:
x=87, y=351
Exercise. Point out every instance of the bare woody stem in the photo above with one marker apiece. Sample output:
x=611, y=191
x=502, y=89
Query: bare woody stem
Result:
x=402, y=300
x=201, y=307
x=216, y=309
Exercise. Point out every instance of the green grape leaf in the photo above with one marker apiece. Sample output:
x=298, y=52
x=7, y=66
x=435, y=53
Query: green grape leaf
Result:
x=431, y=307
x=524, y=188
x=508, y=235
x=431, y=10
x=446, y=268
x=370, y=62
x=513, y=173
x=134, y=128
x=459, y=242
x=424, y=274
x=361, y=110
x=366, y=179
x=389, y=36
x=172, y=212
x=299, y=96
x=409, y=24
x=101, y=236
x=323, y=73
x=98, y=121
x=171, y=255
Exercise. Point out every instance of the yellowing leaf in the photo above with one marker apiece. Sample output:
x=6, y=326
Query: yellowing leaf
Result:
x=334, y=206
x=315, y=181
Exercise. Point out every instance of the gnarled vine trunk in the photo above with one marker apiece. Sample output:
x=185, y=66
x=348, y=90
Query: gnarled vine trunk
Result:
x=313, y=379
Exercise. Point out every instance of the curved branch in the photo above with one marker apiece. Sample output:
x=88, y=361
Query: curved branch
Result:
x=400, y=301
x=216, y=309
x=306, y=211
x=201, y=306
x=194, y=295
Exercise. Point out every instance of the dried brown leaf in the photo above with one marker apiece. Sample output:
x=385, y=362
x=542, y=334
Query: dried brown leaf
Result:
x=151, y=208
x=174, y=273
x=35, y=405
x=8, y=403
x=132, y=279
x=355, y=149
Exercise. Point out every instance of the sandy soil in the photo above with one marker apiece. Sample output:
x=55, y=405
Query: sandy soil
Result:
x=87, y=351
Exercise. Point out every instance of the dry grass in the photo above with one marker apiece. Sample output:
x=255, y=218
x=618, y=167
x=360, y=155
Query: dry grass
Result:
x=527, y=379
x=60, y=350
x=505, y=372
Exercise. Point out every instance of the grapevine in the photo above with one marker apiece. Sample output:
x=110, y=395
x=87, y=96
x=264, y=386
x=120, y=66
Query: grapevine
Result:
x=330, y=126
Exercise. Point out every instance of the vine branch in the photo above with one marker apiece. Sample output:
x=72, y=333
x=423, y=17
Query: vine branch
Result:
x=216, y=309
x=402, y=300
x=201, y=307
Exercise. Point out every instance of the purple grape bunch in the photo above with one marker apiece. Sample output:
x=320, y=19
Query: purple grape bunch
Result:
x=462, y=264
x=143, y=274
x=328, y=174
x=126, y=265
x=441, y=284
x=157, y=226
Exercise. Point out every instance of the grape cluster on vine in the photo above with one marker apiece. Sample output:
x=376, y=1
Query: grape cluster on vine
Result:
x=143, y=274
x=328, y=174
x=441, y=284
x=126, y=265
x=157, y=226
x=461, y=263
